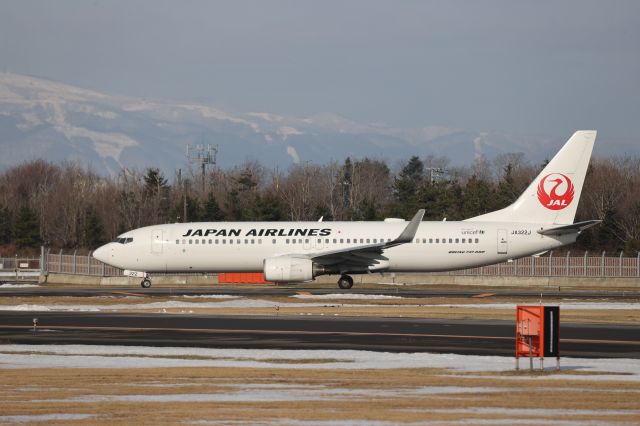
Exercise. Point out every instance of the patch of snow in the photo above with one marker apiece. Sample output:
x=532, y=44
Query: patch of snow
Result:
x=24, y=308
x=523, y=412
x=86, y=356
x=208, y=296
x=10, y=285
x=252, y=393
x=563, y=305
x=235, y=302
x=28, y=418
x=240, y=303
x=345, y=296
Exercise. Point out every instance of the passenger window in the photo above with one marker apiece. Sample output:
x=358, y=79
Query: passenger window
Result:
x=306, y=241
x=217, y=241
x=230, y=240
x=437, y=240
x=476, y=241
x=444, y=241
x=341, y=240
x=430, y=240
x=190, y=241
x=335, y=241
x=286, y=241
x=319, y=240
x=368, y=240
x=273, y=241
x=260, y=241
x=177, y=241
x=464, y=240
x=375, y=240
x=246, y=241
x=450, y=240
x=210, y=241
x=184, y=241
x=204, y=241
x=457, y=241
x=361, y=241
x=417, y=240
x=348, y=240
x=253, y=241
x=326, y=241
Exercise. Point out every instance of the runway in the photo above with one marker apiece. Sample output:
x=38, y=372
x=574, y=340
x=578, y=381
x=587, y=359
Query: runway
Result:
x=377, y=334
x=270, y=290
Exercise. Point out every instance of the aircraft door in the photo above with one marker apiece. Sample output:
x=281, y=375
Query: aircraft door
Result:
x=156, y=241
x=502, y=241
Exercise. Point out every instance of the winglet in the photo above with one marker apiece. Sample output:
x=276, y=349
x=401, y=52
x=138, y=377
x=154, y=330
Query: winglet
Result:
x=409, y=232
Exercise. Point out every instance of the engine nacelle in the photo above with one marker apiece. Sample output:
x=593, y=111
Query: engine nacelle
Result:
x=286, y=268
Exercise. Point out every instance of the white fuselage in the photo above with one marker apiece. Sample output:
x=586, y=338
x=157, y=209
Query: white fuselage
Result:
x=243, y=246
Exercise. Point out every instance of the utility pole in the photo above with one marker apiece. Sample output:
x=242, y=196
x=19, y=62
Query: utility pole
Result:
x=203, y=157
x=435, y=173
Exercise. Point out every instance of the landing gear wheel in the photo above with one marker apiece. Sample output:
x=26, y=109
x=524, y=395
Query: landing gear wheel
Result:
x=146, y=283
x=345, y=282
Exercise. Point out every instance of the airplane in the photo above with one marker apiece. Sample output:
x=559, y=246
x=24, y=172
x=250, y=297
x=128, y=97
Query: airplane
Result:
x=541, y=219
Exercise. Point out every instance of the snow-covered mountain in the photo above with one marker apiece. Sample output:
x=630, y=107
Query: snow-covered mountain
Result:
x=46, y=119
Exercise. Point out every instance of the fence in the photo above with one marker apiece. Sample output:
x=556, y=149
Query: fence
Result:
x=587, y=265
x=11, y=264
x=78, y=265
x=562, y=266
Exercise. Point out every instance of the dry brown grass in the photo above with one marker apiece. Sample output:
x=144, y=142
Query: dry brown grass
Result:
x=46, y=391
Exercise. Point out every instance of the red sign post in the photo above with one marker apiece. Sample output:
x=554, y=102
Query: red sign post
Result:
x=537, y=333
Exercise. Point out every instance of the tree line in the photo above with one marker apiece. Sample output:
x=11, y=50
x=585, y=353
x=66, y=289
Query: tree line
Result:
x=69, y=206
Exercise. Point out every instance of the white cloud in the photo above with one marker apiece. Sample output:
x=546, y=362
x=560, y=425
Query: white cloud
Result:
x=293, y=154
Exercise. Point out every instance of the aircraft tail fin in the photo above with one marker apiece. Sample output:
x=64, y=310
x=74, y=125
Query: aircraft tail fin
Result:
x=554, y=194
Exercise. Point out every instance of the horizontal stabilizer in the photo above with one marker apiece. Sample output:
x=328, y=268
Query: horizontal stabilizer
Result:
x=569, y=229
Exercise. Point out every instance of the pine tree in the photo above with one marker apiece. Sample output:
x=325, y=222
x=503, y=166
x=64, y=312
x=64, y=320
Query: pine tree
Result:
x=478, y=198
x=212, y=211
x=507, y=192
x=408, y=185
x=5, y=225
x=27, y=229
x=93, y=232
x=154, y=182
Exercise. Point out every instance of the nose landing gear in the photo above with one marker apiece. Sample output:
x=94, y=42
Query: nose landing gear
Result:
x=345, y=282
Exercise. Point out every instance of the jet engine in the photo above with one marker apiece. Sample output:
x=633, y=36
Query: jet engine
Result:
x=291, y=269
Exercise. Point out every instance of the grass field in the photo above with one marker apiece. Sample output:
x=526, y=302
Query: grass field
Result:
x=309, y=391
x=309, y=396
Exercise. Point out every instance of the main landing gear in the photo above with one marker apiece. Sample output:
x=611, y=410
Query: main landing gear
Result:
x=345, y=282
x=146, y=282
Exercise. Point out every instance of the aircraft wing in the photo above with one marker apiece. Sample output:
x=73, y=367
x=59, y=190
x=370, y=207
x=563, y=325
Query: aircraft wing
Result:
x=366, y=255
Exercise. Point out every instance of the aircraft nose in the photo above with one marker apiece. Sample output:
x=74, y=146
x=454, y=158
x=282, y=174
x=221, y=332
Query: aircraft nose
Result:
x=102, y=253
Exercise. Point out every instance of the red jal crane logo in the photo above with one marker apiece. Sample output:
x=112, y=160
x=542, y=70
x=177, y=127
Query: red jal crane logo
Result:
x=551, y=199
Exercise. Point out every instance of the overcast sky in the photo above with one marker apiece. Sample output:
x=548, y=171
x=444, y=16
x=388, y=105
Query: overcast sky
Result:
x=546, y=67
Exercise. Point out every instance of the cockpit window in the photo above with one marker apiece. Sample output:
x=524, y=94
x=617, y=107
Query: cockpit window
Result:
x=123, y=240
